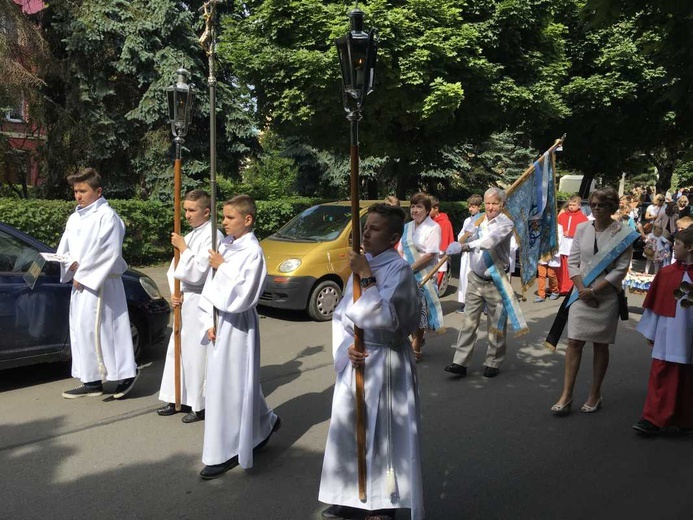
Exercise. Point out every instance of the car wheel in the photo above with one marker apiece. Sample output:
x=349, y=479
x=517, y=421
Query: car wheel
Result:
x=444, y=283
x=323, y=300
x=136, y=333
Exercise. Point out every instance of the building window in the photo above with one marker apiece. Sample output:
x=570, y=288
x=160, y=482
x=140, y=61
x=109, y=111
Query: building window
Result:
x=15, y=110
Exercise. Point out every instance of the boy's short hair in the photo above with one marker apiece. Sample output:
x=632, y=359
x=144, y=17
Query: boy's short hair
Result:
x=475, y=200
x=88, y=175
x=658, y=227
x=685, y=236
x=575, y=198
x=244, y=204
x=201, y=197
x=394, y=215
x=392, y=200
x=435, y=202
x=421, y=198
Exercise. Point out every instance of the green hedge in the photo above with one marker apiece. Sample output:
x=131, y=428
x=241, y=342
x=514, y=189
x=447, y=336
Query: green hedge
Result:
x=148, y=223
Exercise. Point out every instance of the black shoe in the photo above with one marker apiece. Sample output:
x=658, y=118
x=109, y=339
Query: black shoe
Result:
x=192, y=417
x=217, y=470
x=491, y=371
x=344, y=512
x=86, y=390
x=646, y=427
x=170, y=409
x=125, y=385
x=381, y=514
x=277, y=424
x=456, y=369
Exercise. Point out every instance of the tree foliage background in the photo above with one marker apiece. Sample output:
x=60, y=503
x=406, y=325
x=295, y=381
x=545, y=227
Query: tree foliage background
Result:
x=467, y=93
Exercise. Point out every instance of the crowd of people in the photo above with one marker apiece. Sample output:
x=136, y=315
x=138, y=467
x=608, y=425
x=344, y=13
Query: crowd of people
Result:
x=398, y=270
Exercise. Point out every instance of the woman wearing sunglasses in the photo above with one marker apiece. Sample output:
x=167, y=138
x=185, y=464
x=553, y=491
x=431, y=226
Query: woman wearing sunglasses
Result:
x=599, y=258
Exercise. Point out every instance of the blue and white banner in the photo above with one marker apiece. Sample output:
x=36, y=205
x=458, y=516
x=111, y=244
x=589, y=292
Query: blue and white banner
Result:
x=531, y=205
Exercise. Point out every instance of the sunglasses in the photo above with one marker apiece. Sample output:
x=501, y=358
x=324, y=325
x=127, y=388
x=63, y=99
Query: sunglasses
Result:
x=598, y=205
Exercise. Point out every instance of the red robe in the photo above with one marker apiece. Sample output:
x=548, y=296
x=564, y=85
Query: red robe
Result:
x=669, y=400
x=569, y=221
x=447, y=236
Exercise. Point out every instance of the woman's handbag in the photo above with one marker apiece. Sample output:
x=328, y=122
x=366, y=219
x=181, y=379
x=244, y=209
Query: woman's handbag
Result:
x=623, y=305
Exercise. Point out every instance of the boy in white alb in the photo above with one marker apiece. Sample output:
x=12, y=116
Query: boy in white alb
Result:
x=100, y=335
x=387, y=312
x=468, y=228
x=192, y=269
x=237, y=419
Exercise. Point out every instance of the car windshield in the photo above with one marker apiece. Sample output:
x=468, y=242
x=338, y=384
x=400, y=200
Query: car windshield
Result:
x=316, y=224
x=16, y=256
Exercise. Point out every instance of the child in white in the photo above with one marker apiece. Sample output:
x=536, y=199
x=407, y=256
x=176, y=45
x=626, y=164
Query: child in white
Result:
x=192, y=269
x=100, y=334
x=474, y=205
x=660, y=247
x=237, y=420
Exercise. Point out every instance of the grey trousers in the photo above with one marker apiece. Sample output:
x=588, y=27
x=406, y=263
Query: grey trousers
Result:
x=478, y=292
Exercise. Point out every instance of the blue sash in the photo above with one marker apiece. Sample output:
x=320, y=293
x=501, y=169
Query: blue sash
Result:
x=430, y=288
x=511, y=307
x=604, y=258
x=590, y=272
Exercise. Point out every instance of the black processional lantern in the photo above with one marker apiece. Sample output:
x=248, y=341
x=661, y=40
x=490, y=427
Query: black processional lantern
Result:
x=357, y=50
x=181, y=99
x=357, y=62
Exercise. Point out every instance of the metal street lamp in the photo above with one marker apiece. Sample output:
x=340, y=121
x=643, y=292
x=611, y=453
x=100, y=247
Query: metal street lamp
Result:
x=181, y=98
x=357, y=51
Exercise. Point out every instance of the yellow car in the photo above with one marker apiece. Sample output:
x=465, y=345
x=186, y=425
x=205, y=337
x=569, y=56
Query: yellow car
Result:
x=307, y=263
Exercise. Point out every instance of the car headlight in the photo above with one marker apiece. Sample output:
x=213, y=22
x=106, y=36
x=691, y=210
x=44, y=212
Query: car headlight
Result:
x=289, y=265
x=150, y=287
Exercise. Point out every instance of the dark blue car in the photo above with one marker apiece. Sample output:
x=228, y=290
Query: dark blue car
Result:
x=34, y=326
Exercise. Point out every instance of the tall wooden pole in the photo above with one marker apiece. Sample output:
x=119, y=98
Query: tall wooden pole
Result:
x=177, y=183
x=354, y=117
x=558, y=142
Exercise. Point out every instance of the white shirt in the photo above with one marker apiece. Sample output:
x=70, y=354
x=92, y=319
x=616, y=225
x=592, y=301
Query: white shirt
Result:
x=491, y=234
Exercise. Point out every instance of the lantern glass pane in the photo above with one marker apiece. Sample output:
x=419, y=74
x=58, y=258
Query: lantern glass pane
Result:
x=181, y=107
x=171, y=103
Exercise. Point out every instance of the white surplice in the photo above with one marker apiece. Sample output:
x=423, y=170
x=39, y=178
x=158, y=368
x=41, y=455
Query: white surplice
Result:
x=387, y=313
x=237, y=417
x=672, y=336
x=100, y=334
x=192, y=269
x=467, y=227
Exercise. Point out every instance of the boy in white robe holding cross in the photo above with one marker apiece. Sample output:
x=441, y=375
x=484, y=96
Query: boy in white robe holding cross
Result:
x=237, y=420
x=388, y=312
x=100, y=335
x=192, y=269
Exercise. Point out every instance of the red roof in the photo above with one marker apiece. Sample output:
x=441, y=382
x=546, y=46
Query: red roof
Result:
x=30, y=6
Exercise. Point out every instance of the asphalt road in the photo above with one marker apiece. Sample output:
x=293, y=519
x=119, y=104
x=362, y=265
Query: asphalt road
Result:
x=491, y=449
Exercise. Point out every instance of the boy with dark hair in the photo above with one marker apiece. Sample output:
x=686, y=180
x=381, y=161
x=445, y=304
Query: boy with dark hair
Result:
x=192, y=269
x=238, y=420
x=667, y=323
x=569, y=220
x=387, y=312
x=100, y=336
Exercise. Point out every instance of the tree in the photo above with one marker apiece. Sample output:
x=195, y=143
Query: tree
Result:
x=115, y=60
x=23, y=55
x=447, y=73
x=628, y=87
